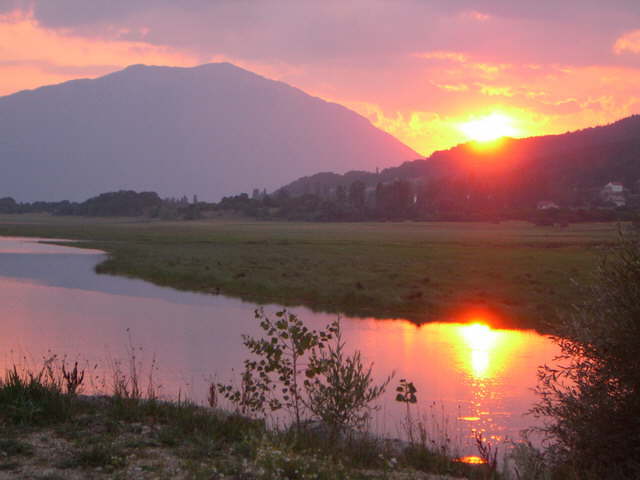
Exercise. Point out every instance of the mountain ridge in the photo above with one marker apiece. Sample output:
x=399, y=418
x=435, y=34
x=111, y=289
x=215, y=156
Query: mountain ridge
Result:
x=210, y=130
x=607, y=151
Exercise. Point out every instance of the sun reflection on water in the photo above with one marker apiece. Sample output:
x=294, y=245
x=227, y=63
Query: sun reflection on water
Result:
x=482, y=340
x=472, y=459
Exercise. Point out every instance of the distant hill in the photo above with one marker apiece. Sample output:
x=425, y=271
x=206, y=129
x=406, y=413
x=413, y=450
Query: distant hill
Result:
x=557, y=167
x=212, y=130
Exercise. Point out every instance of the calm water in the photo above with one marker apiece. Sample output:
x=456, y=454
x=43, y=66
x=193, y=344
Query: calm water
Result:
x=51, y=301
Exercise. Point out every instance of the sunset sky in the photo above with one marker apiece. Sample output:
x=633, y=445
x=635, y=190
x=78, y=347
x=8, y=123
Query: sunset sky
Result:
x=421, y=70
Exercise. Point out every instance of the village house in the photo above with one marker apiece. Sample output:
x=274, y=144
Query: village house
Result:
x=614, y=192
x=547, y=205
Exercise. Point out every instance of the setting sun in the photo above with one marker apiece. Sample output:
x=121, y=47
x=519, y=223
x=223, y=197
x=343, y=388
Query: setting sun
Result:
x=489, y=128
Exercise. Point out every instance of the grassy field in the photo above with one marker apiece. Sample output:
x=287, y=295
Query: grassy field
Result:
x=523, y=274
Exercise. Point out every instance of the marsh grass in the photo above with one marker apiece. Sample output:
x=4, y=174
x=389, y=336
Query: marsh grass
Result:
x=35, y=397
x=435, y=442
x=418, y=271
x=105, y=432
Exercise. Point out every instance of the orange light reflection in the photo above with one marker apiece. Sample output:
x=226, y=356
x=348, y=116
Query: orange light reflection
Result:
x=484, y=351
x=472, y=459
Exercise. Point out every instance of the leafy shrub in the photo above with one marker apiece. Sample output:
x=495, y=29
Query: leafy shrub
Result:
x=529, y=463
x=271, y=378
x=592, y=400
x=337, y=388
x=340, y=390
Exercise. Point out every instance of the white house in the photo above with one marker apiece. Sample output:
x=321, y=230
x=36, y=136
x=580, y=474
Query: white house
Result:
x=613, y=187
x=613, y=192
x=547, y=205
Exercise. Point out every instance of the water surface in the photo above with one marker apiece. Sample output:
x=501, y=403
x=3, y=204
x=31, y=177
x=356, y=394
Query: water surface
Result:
x=468, y=375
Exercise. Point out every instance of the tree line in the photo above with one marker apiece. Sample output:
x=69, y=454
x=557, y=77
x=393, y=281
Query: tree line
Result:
x=443, y=199
x=123, y=203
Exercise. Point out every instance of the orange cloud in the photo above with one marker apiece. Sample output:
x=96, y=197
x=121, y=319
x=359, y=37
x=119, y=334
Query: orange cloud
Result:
x=431, y=99
x=479, y=16
x=493, y=91
x=33, y=56
x=629, y=42
x=442, y=55
x=487, y=68
x=460, y=87
x=422, y=131
x=547, y=99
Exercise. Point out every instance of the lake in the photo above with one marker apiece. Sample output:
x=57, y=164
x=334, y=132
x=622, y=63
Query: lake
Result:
x=468, y=375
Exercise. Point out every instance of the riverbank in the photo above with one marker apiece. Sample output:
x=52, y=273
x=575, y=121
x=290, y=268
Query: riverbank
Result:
x=49, y=432
x=518, y=274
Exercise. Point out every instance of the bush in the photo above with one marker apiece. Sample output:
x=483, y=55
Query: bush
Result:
x=271, y=377
x=592, y=401
x=337, y=388
x=340, y=389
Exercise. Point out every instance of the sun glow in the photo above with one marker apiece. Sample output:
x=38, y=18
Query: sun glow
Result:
x=481, y=340
x=472, y=460
x=489, y=128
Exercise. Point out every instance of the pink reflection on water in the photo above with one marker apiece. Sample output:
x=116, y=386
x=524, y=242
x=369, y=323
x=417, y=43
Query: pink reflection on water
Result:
x=40, y=246
x=469, y=376
x=482, y=376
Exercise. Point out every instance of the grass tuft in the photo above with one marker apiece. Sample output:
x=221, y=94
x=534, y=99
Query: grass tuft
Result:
x=28, y=398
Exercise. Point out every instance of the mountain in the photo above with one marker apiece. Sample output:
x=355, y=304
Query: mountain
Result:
x=557, y=167
x=211, y=130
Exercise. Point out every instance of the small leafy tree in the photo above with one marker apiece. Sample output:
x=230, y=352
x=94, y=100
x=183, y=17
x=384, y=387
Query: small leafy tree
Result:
x=591, y=401
x=407, y=393
x=337, y=388
x=271, y=378
x=340, y=388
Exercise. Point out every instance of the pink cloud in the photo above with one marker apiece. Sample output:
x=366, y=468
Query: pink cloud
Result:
x=628, y=43
x=33, y=56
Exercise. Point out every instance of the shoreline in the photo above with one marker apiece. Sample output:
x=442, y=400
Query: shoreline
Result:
x=415, y=272
x=129, y=436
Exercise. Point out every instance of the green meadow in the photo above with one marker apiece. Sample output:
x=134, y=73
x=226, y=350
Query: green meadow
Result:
x=519, y=274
